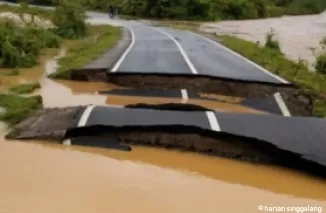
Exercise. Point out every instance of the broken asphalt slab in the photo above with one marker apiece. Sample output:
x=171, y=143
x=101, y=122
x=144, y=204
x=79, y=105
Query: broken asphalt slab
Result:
x=268, y=104
x=292, y=141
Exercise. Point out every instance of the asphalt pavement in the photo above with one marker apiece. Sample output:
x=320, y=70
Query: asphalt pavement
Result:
x=169, y=51
x=301, y=135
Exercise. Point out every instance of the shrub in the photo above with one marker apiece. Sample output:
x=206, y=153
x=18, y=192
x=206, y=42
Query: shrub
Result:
x=271, y=42
x=70, y=19
x=321, y=64
x=21, y=46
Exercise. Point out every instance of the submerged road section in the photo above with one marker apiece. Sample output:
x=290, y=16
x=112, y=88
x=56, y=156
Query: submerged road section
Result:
x=304, y=136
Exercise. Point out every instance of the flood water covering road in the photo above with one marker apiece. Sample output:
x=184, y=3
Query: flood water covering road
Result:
x=59, y=179
x=52, y=178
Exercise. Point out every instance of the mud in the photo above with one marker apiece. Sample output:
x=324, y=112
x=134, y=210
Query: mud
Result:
x=170, y=106
x=207, y=104
x=299, y=102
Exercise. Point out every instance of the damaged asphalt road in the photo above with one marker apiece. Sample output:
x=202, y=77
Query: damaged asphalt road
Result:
x=162, y=58
x=293, y=142
x=170, y=51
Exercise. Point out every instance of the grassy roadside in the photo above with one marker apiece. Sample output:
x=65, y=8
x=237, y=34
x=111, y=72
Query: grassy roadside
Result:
x=17, y=108
x=101, y=39
x=25, y=88
x=296, y=72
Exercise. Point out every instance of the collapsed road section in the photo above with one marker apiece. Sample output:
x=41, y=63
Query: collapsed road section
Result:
x=294, y=142
x=162, y=58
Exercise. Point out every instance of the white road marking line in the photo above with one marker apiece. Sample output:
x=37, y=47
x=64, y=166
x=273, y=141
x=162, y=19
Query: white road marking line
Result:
x=123, y=56
x=184, y=95
x=87, y=112
x=67, y=142
x=246, y=59
x=281, y=104
x=183, y=53
x=215, y=126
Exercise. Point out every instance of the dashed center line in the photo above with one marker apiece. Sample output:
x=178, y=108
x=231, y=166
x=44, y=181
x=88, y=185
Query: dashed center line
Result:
x=284, y=109
x=87, y=112
x=215, y=126
x=184, y=95
x=183, y=53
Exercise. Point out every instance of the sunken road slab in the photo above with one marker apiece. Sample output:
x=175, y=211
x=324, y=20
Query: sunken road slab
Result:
x=268, y=104
x=277, y=138
x=304, y=136
x=145, y=117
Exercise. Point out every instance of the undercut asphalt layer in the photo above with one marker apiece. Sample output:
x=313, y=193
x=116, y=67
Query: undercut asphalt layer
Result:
x=294, y=142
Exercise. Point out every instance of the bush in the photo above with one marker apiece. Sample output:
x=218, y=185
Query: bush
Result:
x=321, y=64
x=298, y=7
x=70, y=18
x=21, y=46
x=271, y=42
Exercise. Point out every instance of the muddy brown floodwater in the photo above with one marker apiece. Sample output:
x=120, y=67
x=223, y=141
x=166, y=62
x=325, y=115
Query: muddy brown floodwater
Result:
x=38, y=177
x=47, y=178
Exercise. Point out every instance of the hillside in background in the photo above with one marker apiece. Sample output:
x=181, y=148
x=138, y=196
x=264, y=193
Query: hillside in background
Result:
x=205, y=9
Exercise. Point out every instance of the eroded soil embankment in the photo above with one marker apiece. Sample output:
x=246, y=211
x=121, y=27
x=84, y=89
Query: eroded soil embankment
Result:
x=201, y=141
x=300, y=103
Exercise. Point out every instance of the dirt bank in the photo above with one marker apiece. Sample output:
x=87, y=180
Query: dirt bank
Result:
x=299, y=102
x=193, y=139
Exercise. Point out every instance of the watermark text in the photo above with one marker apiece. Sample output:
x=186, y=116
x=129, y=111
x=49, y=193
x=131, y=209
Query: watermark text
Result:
x=296, y=209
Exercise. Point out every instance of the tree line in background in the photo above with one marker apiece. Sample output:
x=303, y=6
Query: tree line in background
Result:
x=21, y=46
x=204, y=9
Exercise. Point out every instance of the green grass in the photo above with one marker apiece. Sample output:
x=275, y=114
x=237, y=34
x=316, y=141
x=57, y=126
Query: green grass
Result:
x=295, y=72
x=101, y=39
x=25, y=88
x=12, y=72
x=18, y=107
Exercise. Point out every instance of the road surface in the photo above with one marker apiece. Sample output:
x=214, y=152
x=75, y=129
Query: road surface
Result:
x=304, y=136
x=164, y=50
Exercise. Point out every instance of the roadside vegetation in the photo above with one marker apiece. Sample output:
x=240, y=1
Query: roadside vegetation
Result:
x=269, y=57
x=28, y=34
x=17, y=108
x=321, y=59
x=84, y=51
